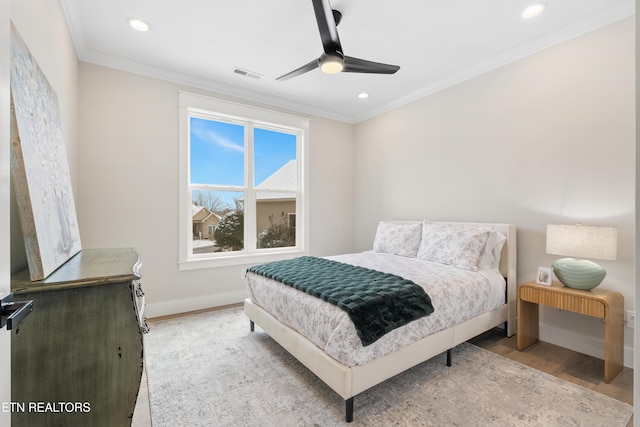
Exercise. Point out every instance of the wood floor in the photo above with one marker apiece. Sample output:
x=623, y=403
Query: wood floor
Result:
x=569, y=365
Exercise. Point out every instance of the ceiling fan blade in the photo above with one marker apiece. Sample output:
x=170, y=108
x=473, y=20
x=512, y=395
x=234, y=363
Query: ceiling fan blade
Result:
x=327, y=26
x=305, y=68
x=356, y=65
x=333, y=61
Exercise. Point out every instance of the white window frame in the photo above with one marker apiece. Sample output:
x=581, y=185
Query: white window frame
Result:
x=208, y=107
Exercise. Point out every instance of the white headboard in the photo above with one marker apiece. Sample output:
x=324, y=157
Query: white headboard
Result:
x=508, y=261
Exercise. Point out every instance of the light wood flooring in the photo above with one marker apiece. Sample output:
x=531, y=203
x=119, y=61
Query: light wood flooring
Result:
x=578, y=368
x=569, y=365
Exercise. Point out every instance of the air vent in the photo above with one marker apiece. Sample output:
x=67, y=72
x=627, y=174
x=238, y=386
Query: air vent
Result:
x=247, y=73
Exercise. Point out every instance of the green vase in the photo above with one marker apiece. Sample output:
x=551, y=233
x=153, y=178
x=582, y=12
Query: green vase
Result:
x=578, y=273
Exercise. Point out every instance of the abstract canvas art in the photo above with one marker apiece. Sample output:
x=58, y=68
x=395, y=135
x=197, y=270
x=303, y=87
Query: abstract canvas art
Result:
x=39, y=167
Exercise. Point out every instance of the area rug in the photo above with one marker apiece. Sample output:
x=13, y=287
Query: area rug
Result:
x=208, y=369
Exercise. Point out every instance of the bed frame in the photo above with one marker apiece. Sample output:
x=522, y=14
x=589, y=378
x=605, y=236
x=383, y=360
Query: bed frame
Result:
x=349, y=381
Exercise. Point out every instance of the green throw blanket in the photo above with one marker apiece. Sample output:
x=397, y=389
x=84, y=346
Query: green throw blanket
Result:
x=376, y=302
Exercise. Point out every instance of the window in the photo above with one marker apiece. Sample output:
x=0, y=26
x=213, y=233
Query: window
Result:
x=243, y=181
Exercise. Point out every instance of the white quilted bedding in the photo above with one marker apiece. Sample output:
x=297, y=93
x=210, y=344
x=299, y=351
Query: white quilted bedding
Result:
x=457, y=296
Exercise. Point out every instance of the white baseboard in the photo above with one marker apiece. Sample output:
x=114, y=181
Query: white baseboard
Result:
x=192, y=304
x=581, y=343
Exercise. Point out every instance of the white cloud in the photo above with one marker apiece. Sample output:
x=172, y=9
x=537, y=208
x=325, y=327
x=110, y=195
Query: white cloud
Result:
x=210, y=136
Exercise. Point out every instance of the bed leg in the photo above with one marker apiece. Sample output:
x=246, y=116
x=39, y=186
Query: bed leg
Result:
x=348, y=406
x=252, y=326
x=449, y=357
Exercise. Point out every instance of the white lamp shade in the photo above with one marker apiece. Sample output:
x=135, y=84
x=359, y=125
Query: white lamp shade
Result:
x=582, y=241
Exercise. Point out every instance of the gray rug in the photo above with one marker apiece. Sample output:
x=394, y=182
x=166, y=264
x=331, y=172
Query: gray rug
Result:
x=209, y=370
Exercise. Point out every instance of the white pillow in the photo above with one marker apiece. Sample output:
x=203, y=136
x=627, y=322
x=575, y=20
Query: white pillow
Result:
x=492, y=250
x=398, y=239
x=459, y=247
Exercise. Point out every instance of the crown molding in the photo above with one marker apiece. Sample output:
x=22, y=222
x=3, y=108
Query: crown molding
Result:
x=147, y=70
x=608, y=16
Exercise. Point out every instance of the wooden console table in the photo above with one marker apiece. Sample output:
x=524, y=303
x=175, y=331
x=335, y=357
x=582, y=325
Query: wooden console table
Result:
x=601, y=303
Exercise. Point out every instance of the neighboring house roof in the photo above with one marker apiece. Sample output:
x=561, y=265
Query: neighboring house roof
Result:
x=202, y=214
x=285, y=178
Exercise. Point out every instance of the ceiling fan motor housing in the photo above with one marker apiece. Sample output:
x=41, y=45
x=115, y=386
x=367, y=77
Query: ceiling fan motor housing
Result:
x=331, y=63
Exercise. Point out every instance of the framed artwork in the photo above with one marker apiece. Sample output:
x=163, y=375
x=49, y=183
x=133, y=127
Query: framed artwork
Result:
x=545, y=276
x=39, y=166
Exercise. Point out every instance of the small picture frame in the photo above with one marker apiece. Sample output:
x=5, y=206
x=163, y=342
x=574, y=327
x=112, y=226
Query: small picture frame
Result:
x=544, y=277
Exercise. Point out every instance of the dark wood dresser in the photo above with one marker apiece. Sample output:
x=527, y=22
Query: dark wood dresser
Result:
x=77, y=359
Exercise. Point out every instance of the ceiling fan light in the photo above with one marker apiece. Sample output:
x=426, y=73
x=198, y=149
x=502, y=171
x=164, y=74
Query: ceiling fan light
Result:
x=330, y=64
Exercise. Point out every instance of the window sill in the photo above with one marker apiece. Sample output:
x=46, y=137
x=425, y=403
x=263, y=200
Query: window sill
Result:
x=239, y=259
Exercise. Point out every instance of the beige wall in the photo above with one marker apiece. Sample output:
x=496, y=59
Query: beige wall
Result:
x=129, y=167
x=547, y=139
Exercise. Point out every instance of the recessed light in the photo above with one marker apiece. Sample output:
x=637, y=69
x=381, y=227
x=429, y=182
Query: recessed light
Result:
x=138, y=24
x=533, y=10
x=363, y=95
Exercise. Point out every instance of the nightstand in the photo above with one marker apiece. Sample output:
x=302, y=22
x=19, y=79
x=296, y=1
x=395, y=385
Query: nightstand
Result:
x=601, y=303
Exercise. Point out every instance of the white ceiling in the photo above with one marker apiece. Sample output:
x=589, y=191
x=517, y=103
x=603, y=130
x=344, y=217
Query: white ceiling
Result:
x=436, y=43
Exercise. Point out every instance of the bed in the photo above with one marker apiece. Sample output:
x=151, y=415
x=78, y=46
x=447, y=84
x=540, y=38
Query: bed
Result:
x=323, y=338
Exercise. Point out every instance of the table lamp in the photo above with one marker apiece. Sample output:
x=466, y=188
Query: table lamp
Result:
x=579, y=242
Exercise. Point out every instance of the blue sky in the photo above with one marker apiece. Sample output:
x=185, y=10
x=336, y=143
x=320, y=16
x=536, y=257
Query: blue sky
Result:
x=217, y=152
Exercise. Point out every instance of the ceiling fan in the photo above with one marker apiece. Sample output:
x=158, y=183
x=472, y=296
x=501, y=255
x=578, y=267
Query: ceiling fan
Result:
x=333, y=61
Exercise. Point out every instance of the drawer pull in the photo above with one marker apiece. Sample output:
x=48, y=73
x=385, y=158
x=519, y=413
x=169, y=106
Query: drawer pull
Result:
x=12, y=313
